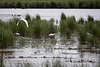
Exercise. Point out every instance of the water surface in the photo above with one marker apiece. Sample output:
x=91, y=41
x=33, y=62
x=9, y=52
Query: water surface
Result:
x=6, y=14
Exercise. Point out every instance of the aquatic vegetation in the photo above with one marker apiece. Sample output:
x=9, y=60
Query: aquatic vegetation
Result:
x=38, y=17
x=90, y=19
x=28, y=17
x=71, y=23
x=91, y=34
x=13, y=25
x=41, y=45
x=37, y=29
x=21, y=42
x=52, y=29
x=68, y=26
x=4, y=24
x=63, y=17
x=81, y=21
x=6, y=37
x=82, y=36
x=43, y=28
x=68, y=33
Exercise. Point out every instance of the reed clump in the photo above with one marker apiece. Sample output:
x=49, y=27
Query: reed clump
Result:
x=91, y=33
x=13, y=25
x=40, y=28
x=68, y=25
x=6, y=35
x=28, y=17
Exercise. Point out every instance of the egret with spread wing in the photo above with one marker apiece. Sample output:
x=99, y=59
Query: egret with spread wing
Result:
x=26, y=22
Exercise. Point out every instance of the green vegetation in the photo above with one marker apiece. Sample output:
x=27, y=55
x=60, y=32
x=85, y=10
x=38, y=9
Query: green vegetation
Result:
x=83, y=36
x=6, y=51
x=67, y=25
x=13, y=25
x=22, y=42
x=90, y=19
x=49, y=4
x=37, y=28
x=43, y=28
x=63, y=17
x=87, y=31
x=6, y=36
x=81, y=21
x=28, y=18
x=90, y=32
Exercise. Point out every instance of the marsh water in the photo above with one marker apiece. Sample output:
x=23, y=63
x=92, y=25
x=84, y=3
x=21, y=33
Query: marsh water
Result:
x=57, y=52
x=48, y=52
x=6, y=14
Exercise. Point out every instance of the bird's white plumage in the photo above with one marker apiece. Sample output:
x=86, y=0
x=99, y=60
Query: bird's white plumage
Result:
x=26, y=22
x=17, y=34
x=52, y=34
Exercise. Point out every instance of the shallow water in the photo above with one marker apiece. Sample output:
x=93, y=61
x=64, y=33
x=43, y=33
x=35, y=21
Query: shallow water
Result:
x=48, y=53
x=49, y=13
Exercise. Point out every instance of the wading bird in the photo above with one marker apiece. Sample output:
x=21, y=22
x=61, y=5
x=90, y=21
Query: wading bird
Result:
x=26, y=22
x=52, y=35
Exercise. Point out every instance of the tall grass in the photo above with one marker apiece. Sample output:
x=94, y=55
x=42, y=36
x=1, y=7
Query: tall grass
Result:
x=42, y=28
x=82, y=36
x=71, y=23
x=67, y=25
x=37, y=29
x=45, y=28
x=81, y=21
x=13, y=25
x=28, y=17
x=6, y=36
x=38, y=17
x=63, y=17
x=90, y=19
x=90, y=33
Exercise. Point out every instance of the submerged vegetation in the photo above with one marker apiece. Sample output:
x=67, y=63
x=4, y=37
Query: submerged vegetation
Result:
x=50, y=4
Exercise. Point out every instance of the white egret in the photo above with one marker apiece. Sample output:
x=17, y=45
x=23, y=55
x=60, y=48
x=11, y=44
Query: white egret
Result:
x=26, y=22
x=52, y=35
x=17, y=34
